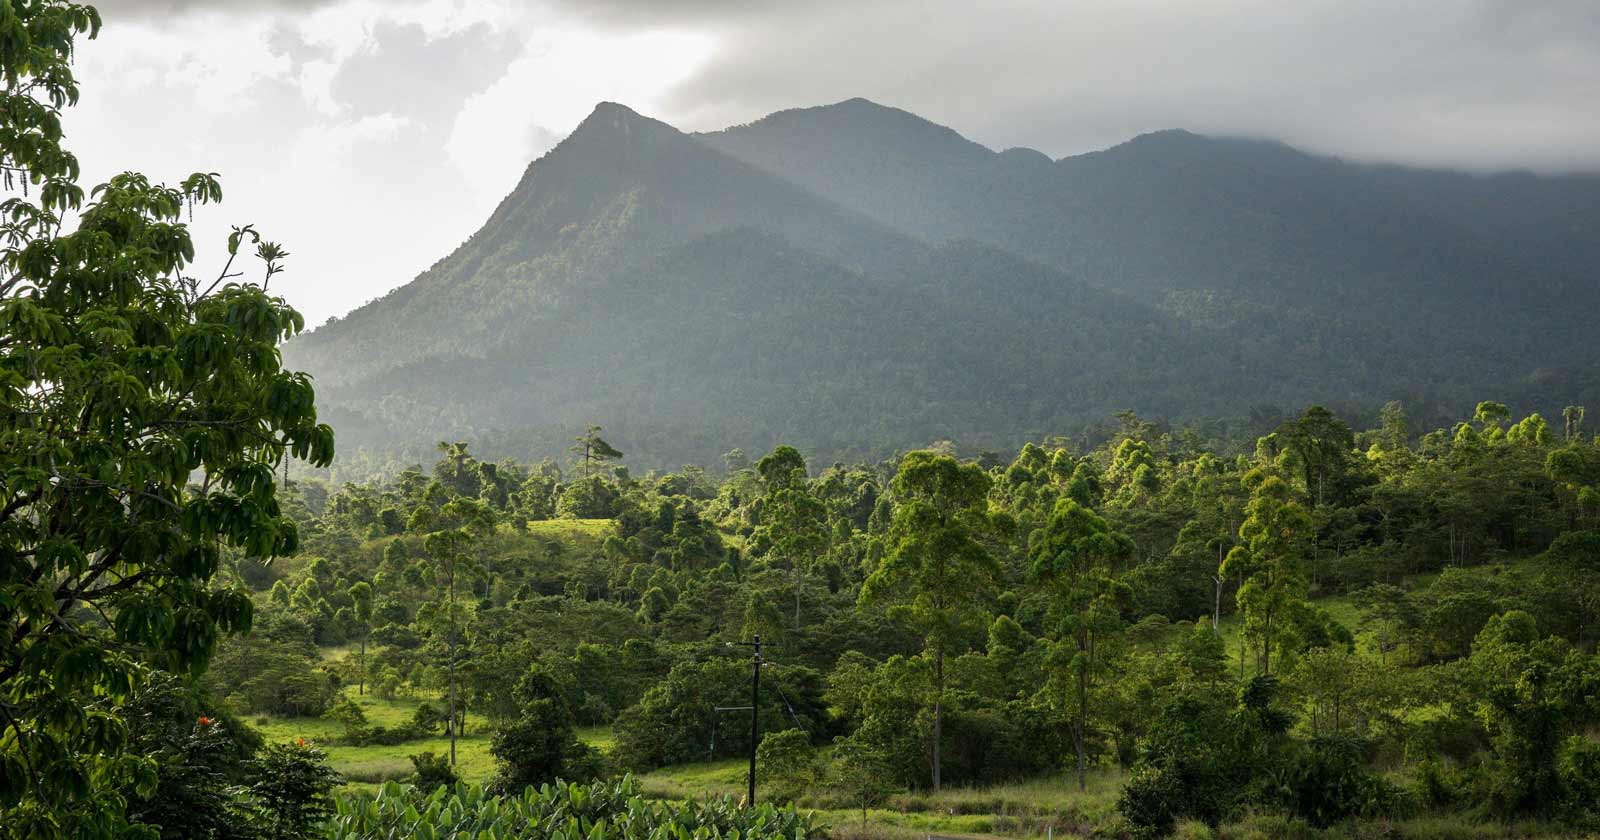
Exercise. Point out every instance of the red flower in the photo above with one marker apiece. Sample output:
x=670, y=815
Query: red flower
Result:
x=300, y=741
x=205, y=721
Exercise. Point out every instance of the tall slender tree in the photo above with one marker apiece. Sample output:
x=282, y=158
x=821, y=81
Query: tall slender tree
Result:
x=936, y=569
x=361, y=611
x=1075, y=555
x=1270, y=562
x=794, y=522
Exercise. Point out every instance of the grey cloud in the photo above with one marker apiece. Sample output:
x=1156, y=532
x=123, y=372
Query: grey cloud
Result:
x=112, y=9
x=1487, y=84
x=408, y=74
x=1482, y=84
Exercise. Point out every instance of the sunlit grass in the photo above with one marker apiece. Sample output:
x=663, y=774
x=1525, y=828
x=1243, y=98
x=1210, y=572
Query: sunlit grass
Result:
x=565, y=529
x=374, y=763
x=1020, y=809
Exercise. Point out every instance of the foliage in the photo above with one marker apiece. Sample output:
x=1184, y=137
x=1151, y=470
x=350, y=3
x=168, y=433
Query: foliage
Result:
x=539, y=746
x=935, y=567
x=432, y=772
x=565, y=811
x=292, y=790
x=146, y=416
x=677, y=721
x=787, y=763
x=1389, y=617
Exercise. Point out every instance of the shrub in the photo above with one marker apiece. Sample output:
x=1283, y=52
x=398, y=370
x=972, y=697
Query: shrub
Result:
x=431, y=772
x=292, y=790
x=788, y=762
x=539, y=746
x=349, y=715
x=1327, y=781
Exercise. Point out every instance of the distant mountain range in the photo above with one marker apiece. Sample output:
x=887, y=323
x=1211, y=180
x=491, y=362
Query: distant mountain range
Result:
x=853, y=279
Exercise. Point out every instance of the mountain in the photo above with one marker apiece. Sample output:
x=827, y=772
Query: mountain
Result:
x=854, y=278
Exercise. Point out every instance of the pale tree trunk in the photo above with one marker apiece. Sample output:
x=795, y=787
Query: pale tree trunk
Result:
x=1080, y=735
x=450, y=651
x=1266, y=647
x=938, y=711
x=1216, y=610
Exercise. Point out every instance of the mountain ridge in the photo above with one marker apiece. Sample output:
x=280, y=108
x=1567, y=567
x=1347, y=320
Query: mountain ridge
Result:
x=1176, y=274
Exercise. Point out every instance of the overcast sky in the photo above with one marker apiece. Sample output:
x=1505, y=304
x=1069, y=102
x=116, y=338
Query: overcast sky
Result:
x=373, y=136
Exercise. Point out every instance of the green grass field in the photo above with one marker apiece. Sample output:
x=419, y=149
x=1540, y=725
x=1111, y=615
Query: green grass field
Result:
x=374, y=763
x=1023, y=809
x=579, y=534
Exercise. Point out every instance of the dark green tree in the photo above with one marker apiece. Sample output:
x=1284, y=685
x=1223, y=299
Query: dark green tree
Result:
x=593, y=450
x=145, y=418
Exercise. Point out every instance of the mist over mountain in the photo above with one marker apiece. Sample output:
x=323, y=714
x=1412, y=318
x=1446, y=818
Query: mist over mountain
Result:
x=853, y=278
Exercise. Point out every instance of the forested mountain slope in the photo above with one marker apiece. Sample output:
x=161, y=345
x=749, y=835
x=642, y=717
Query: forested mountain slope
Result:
x=855, y=278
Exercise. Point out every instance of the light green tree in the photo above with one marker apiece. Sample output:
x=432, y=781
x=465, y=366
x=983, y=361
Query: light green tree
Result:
x=467, y=522
x=936, y=569
x=1270, y=563
x=1075, y=556
x=361, y=613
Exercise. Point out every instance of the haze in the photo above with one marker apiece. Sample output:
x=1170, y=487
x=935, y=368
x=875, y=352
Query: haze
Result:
x=405, y=122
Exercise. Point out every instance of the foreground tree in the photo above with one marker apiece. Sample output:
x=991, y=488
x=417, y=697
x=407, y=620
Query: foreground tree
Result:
x=936, y=569
x=1075, y=555
x=145, y=417
x=1271, y=564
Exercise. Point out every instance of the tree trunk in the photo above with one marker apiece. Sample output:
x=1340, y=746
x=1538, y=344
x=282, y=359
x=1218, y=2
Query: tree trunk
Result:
x=361, y=679
x=1081, y=733
x=1241, y=651
x=1266, y=647
x=450, y=651
x=938, y=711
x=1216, y=610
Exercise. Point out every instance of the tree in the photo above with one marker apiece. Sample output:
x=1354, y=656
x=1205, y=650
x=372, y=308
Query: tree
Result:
x=1270, y=563
x=936, y=568
x=449, y=548
x=293, y=790
x=593, y=450
x=788, y=762
x=539, y=746
x=1075, y=556
x=1322, y=444
x=859, y=772
x=361, y=594
x=145, y=418
x=794, y=522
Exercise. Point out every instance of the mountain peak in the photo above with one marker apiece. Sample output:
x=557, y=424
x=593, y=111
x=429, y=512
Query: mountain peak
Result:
x=850, y=127
x=615, y=115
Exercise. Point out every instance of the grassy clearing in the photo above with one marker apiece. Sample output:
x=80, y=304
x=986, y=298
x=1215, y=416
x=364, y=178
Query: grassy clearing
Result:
x=578, y=532
x=1055, y=807
x=375, y=763
x=1023, y=809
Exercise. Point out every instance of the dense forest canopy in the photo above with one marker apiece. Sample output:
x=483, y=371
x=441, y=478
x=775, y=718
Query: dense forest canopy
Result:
x=1337, y=624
